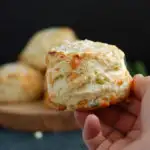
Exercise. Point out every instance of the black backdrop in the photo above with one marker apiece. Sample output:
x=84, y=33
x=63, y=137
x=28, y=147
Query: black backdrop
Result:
x=125, y=23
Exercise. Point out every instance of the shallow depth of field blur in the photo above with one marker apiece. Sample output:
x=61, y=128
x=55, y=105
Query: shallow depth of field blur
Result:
x=122, y=23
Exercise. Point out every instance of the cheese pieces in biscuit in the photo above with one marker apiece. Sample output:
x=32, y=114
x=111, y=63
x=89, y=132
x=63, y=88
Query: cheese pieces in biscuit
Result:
x=85, y=75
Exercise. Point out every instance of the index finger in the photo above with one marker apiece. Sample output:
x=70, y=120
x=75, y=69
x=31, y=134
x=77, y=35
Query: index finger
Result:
x=80, y=117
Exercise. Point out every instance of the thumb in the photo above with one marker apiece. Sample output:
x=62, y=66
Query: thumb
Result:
x=139, y=86
x=92, y=132
x=142, y=91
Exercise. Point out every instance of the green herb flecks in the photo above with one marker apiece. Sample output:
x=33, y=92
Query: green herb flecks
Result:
x=100, y=81
x=59, y=77
x=93, y=103
x=96, y=73
x=117, y=66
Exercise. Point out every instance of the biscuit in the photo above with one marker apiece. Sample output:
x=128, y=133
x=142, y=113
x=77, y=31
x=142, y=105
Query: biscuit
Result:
x=41, y=42
x=19, y=83
x=86, y=75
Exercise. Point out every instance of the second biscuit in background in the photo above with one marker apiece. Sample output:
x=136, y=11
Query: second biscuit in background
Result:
x=41, y=42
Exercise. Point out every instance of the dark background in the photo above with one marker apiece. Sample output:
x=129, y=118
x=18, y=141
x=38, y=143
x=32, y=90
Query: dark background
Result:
x=125, y=23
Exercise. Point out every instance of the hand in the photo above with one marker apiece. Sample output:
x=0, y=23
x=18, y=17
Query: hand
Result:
x=120, y=127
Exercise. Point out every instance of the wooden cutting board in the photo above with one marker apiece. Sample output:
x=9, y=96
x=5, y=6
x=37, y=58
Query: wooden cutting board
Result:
x=35, y=117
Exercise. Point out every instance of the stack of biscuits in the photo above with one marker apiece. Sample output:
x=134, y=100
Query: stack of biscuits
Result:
x=66, y=73
x=23, y=80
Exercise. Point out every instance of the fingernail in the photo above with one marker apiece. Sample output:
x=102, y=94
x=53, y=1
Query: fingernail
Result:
x=133, y=83
x=92, y=127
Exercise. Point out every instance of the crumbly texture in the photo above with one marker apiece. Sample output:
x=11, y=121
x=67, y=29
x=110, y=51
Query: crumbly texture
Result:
x=19, y=83
x=41, y=42
x=85, y=75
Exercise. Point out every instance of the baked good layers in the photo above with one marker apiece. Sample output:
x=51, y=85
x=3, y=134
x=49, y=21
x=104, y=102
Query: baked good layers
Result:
x=85, y=75
x=41, y=42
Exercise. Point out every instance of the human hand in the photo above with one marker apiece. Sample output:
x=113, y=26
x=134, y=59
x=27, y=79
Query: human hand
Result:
x=120, y=127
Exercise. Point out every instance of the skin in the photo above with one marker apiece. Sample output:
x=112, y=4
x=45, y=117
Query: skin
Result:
x=120, y=127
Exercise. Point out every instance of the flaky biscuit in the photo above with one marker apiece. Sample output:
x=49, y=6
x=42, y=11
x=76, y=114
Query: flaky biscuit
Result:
x=86, y=75
x=41, y=42
x=19, y=83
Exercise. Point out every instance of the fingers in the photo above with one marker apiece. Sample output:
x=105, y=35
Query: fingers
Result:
x=92, y=132
x=140, y=84
x=117, y=118
x=92, y=127
x=120, y=119
x=99, y=136
x=142, y=90
x=133, y=106
x=121, y=144
x=109, y=115
x=125, y=123
x=145, y=111
x=80, y=117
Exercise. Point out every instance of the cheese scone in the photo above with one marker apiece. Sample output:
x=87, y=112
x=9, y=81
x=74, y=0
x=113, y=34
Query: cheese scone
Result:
x=19, y=83
x=46, y=97
x=85, y=75
x=41, y=42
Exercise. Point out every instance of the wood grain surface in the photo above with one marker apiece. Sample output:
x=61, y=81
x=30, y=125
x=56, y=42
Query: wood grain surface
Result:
x=35, y=117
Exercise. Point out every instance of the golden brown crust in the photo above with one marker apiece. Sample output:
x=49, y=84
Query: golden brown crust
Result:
x=83, y=104
x=19, y=83
x=48, y=103
x=86, y=75
x=41, y=42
